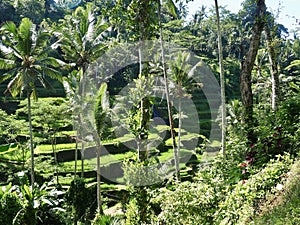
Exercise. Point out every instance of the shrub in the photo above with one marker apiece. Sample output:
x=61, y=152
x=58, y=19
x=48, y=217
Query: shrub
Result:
x=104, y=220
x=240, y=204
x=9, y=207
x=189, y=203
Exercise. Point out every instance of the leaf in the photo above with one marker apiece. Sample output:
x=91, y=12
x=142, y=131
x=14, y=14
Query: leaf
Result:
x=101, y=107
x=293, y=63
x=47, y=201
x=6, y=64
x=7, y=148
x=170, y=7
x=9, y=27
x=4, y=148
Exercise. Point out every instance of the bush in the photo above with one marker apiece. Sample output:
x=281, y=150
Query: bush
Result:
x=240, y=204
x=189, y=203
x=104, y=220
x=10, y=205
x=81, y=200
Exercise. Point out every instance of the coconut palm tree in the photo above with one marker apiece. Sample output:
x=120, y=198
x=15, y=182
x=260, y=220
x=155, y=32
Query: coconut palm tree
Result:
x=82, y=38
x=27, y=63
x=172, y=10
x=222, y=80
x=101, y=112
x=181, y=76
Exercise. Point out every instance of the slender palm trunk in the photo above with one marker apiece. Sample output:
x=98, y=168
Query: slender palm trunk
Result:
x=273, y=69
x=82, y=158
x=139, y=140
x=167, y=91
x=76, y=155
x=144, y=127
x=55, y=156
x=31, y=139
x=222, y=80
x=179, y=125
x=99, y=202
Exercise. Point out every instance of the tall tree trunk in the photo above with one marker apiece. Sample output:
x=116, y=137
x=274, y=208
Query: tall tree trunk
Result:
x=167, y=91
x=144, y=119
x=76, y=155
x=222, y=80
x=53, y=142
x=179, y=124
x=31, y=139
x=82, y=158
x=99, y=202
x=247, y=66
x=273, y=68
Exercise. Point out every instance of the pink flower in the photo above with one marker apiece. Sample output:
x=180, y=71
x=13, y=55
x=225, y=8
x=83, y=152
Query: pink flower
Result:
x=243, y=165
x=250, y=160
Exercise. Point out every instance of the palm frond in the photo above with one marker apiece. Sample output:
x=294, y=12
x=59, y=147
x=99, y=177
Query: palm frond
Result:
x=53, y=62
x=15, y=85
x=8, y=75
x=25, y=35
x=101, y=108
x=52, y=73
x=9, y=27
x=45, y=83
x=293, y=64
x=6, y=64
x=171, y=8
x=40, y=43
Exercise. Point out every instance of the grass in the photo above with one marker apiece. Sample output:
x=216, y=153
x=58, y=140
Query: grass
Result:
x=69, y=132
x=185, y=137
x=165, y=156
x=284, y=207
x=90, y=164
x=48, y=148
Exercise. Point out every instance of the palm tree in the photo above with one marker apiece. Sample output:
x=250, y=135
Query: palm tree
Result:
x=82, y=36
x=27, y=63
x=172, y=10
x=101, y=112
x=182, y=75
x=82, y=40
x=222, y=81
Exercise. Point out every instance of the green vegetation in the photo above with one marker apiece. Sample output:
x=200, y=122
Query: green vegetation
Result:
x=101, y=126
x=282, y=207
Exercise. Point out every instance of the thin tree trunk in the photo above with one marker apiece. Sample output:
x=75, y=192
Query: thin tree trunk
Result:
x=273, y=68
x=247, y=66
x=145, y=117
x=31, y=139
x=82, y=159
x=99, y=202
x=139, y=140
x=55, y=156
x=179, y=125
x=176, y=157
x=76, y=155
x=222, y=81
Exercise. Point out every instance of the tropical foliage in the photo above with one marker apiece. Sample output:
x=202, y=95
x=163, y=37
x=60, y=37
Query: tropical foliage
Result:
x=120, y=88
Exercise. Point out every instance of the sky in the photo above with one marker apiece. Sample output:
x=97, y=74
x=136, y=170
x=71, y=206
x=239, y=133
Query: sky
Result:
x=290, y=9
